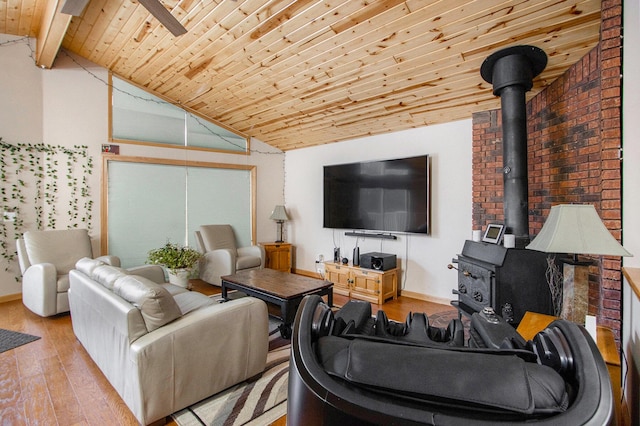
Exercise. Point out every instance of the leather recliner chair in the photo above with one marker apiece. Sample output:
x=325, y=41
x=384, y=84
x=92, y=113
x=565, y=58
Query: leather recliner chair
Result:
x=222, y=256
x=45, y=259
x=361, y=378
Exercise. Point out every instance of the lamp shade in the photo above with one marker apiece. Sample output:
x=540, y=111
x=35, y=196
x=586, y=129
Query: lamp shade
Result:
x=279, y=214
x=576, y=229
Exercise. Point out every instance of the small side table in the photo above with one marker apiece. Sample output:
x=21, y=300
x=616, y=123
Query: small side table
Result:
x=278, y=256
x=533, y=322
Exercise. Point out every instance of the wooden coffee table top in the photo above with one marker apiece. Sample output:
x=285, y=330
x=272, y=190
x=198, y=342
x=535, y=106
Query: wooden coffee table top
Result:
x=280, y=284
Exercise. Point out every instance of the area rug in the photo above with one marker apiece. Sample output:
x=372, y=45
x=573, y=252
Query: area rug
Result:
x=252, y=403
x=442, y=319
x=12, y=339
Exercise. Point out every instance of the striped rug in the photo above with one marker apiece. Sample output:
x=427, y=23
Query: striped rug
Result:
x=252, y=403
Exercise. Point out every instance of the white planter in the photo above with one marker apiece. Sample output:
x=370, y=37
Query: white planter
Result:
x=180, y=278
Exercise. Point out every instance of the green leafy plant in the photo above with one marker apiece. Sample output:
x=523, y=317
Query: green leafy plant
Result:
x=174, y=257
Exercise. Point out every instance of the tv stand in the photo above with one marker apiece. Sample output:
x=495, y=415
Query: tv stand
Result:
x=360, y=283
x=368, y=235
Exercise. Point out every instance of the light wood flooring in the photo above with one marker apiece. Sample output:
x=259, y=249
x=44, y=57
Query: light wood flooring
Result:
x=54, y=381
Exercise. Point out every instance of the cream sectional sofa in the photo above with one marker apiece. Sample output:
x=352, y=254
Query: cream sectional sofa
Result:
x=162, y=347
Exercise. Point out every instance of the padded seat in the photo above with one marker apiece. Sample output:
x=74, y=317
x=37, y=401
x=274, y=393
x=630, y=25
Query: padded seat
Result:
x=222, y=256
x=559, y=378
x=162, y=347
x=45, y=259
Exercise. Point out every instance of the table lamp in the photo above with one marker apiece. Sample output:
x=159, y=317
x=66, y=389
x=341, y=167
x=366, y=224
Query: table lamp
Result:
x=279, y=214
x=575, y=229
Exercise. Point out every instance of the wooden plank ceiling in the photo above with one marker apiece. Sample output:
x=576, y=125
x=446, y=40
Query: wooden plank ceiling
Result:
x=301, y=73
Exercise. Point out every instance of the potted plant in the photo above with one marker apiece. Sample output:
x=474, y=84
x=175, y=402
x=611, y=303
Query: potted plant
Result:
x=178, y=260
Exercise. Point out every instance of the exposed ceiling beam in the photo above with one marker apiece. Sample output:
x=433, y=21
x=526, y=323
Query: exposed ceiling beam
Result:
x=74, y=7
x=164, y=16
x=52, y=30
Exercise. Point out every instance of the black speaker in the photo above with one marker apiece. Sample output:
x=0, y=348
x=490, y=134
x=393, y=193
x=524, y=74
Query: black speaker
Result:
x=378, y=261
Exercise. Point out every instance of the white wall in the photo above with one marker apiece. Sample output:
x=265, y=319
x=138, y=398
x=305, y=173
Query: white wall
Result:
x=631, y=201
x=21, y=91
x=20, y=113
x=68, y=105
x=423, y=259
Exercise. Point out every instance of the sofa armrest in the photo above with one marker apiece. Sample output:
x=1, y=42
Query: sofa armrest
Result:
x=109, y=260
x=220, y=257
x=257, y=251
x=39, y=289
x=154, y=273
x=200, y=354
x=217, y=263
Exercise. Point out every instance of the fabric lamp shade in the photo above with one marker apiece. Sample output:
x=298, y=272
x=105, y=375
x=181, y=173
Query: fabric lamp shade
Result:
x=279, y=214
x=576, y=229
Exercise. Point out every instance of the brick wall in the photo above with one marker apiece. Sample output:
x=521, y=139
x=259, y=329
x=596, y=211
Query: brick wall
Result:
x=574, y=137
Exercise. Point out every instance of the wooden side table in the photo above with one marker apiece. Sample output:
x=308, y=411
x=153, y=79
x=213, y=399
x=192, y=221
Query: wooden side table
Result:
x=533, y=322
x=278, y=256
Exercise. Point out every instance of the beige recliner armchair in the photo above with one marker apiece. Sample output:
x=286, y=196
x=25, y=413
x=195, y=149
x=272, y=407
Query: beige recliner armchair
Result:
x=221, y=254
x=45, y=259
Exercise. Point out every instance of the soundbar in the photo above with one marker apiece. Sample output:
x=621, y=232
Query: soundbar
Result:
x=366, y=235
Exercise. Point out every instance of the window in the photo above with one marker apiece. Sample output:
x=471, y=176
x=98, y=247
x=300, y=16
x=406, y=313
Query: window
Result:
x=142, y=118
x=152, y=201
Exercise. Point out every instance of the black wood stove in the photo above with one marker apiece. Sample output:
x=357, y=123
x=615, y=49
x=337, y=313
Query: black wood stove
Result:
x=510, y=280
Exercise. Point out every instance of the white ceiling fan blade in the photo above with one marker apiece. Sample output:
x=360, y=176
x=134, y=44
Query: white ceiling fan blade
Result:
x=164, y=16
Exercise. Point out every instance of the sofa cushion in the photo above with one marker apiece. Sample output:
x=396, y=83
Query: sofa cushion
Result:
x=62, y=248
x=173, y=289
x=86, y=265
x=216, y=237
x=156, y=304
x=191, y=300
x=107, y=275
x=62, y=283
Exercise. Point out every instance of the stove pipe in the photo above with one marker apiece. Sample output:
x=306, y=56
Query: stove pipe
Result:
x=511, y=71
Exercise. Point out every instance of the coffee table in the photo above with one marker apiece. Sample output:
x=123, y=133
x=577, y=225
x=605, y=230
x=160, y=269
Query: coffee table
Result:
x=280, y=288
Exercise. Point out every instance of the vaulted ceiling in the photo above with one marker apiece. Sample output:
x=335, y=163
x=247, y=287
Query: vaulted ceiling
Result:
x=308, y=72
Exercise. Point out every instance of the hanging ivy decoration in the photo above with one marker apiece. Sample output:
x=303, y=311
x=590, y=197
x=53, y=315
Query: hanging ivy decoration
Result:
x=35, y=179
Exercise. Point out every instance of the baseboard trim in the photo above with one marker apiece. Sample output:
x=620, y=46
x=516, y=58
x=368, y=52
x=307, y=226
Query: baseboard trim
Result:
x=10, y=297
x=306, y=273
x=425, y=297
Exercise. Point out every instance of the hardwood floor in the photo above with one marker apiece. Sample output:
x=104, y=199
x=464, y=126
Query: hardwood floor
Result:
x=54, y=381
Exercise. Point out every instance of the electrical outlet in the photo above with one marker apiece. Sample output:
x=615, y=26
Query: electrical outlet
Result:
x=9, y=216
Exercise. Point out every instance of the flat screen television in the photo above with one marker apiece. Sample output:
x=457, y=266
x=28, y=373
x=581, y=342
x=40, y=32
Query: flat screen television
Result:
x=388, y=195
